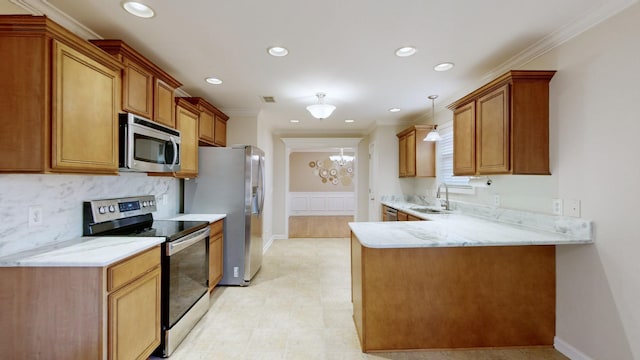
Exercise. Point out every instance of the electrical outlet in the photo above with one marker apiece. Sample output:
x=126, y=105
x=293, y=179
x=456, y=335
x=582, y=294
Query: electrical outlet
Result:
x=165, y=199
x=573, y=208
x=496, y=200
x=35, y=216
x=557, y=206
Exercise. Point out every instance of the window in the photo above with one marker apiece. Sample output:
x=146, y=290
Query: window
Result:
x=444, y=154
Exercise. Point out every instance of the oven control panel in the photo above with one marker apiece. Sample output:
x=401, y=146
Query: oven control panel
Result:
x=113, y=209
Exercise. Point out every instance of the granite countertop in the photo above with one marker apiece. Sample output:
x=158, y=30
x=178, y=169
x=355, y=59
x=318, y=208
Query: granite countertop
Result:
x=452, y=229
x=83, y=252
x=211, y=218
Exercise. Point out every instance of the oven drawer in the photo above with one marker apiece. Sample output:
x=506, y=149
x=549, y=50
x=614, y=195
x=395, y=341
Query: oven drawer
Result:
x=132, y=268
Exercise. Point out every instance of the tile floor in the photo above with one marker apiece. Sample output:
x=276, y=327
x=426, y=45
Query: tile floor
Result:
x=298, y=307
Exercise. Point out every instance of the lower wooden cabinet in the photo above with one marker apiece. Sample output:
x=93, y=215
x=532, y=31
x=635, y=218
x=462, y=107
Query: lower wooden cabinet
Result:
x=134, y=308
x=216, y=246
x=82, y=313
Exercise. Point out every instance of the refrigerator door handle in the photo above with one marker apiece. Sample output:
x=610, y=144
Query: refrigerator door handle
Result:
x=261, y=174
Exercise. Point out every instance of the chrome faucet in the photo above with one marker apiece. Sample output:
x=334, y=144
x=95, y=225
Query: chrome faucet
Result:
x=446, y=191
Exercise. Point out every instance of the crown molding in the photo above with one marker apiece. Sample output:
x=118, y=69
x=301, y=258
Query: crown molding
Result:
x=43, y=7
x=549, y=42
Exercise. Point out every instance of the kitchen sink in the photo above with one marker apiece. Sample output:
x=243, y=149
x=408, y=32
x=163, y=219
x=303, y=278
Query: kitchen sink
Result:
x=429, y=210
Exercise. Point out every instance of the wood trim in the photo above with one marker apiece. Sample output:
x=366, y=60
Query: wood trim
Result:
x=119, y=47
x=501, y=80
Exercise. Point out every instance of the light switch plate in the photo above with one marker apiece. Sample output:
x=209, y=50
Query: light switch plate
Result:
x=496, y=200
x=573, y=208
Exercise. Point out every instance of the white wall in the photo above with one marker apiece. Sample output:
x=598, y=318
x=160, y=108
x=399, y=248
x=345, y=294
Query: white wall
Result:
x=592, y=104
x=242, y=130
x=594, y=151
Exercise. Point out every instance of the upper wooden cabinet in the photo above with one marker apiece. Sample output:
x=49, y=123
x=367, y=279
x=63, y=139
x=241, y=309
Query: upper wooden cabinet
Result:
x=187, y=121
x=503, y=127
x=212, y=130
x=417, y=157
x=147, y=90
x=60, y=98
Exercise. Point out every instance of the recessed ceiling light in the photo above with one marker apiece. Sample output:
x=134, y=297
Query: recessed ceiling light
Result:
x=138, y=9
x=444, y=66
x=278, y=51
x=394, y=110
x=213, y=81
x=406, y=51
x=349, y=121
x=294, y=121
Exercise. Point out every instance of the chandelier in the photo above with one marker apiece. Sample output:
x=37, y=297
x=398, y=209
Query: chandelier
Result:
x=321, y=110
x=341, y=159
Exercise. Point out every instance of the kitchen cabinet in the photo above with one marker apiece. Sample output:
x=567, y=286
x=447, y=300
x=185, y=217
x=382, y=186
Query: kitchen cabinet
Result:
x=187, y=124
x=416, y=157
x=79, y=313
x=216, y=243
x=212, y=129
x=389, y=213
x=503, y=127
x=134, y=306
x=403, y=216
x=60, y=103
x=452, y=297
x=147, y=90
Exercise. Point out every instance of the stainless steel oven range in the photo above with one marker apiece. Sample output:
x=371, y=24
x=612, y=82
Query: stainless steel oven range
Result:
x=185, y=259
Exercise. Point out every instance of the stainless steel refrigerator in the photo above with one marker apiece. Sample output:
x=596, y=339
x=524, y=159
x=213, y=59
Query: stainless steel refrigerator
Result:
x=231, y=181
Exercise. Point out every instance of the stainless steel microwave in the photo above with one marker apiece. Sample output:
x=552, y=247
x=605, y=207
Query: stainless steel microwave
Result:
x=147, y=146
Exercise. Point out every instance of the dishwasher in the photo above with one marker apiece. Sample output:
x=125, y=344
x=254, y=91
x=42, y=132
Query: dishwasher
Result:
x=389, y=214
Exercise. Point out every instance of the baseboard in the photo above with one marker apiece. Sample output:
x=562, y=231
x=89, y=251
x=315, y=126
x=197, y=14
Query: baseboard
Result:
x=269, y=242
x=569, y=351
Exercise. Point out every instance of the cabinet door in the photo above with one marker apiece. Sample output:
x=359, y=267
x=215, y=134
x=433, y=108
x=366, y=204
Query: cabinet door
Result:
x=215, y=260
x=188, y=125
x=403, y=216
x=206, y=127
x=137, y=90
x=411, y=154
x=402, y=158
x=493, y=143
x=464, y=140
x=134, y=318
x=164, y=104
x=220, y=132
x=86, y=99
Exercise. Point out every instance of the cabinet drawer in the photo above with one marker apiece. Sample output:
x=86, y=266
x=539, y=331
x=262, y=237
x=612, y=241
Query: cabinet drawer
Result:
x=216, y=227
x=128, y=270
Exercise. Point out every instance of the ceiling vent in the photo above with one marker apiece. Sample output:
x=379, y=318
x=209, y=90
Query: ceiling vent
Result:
x=269, y=99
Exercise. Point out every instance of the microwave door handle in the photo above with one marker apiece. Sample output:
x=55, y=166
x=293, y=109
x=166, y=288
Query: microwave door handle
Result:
x=175, y=152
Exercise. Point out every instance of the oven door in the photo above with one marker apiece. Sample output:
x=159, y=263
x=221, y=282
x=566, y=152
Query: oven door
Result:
x=186, y=274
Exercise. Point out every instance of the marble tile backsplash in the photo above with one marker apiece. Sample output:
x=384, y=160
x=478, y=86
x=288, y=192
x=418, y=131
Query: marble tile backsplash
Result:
x=61, y=197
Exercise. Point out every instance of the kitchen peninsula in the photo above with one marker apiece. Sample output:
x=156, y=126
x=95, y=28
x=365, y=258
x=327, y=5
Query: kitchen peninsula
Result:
x=457, y=281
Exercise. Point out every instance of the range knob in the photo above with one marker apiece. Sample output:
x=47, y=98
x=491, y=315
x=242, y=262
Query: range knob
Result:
x=112, y=208
x=144, y=204
x=151, y=202
x=102, y=209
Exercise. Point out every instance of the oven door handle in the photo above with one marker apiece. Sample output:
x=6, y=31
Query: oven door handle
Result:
x=183, y=243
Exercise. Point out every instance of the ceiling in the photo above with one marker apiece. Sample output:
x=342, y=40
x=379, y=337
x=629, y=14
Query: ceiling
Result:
x=344, y=48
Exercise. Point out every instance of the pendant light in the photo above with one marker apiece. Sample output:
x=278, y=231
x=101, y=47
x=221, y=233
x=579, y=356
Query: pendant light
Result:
x=433, y=135
x=321, y=110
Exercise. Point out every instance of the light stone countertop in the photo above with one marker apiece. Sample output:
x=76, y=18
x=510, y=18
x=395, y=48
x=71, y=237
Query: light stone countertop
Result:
x=455, y=229
x=211, y=218
x=83, y=252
